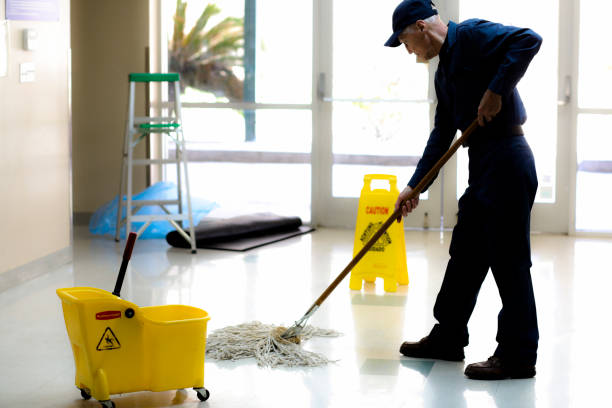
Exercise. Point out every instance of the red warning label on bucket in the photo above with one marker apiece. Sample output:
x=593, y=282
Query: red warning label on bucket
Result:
x=108, y=315
x=108, y=341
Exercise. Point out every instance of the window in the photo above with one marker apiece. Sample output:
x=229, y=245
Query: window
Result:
x=246, y=86
x=538, y=88
x=380, y=99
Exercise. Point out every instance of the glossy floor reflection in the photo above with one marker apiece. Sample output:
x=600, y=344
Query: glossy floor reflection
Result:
x=276, y=284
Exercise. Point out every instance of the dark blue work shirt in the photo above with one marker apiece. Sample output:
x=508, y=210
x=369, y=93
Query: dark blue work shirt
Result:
x=477, y=55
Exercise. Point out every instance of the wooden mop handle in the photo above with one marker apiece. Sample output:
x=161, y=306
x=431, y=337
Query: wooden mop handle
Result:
x=397, y=213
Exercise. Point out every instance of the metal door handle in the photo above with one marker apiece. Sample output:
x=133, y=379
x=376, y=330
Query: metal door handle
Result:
x=567, y=92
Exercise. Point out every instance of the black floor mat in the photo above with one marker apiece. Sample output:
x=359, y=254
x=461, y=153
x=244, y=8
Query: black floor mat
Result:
x=244, y=244
x=241, y=233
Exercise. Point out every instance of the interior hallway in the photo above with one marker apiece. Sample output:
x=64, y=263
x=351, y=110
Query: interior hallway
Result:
x=276, y=284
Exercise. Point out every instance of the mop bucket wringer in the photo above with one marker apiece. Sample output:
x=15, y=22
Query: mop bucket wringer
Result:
x=119, y=347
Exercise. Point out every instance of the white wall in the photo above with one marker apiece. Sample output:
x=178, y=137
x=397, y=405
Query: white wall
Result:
x=108, y=42
x=35, y=203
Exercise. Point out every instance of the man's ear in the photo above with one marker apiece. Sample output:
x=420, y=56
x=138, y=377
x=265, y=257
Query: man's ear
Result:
x=420, y=25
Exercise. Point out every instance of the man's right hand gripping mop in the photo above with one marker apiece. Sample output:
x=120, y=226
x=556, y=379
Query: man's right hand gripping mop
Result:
x=277, y=345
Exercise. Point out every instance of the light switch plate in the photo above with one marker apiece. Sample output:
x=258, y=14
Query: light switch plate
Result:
x=27, y=72
x=30, y=39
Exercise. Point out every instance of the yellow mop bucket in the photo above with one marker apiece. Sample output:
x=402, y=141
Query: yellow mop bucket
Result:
x=119, y=347
x=387, y=257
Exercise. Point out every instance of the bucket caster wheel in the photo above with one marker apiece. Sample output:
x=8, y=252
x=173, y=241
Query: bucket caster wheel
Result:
x=203, y=393
x=107, y=404
x=85, y=394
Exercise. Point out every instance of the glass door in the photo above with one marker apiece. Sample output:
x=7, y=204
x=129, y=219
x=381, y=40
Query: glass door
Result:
x=373, y=113
x=374, y=109
x=539, y=90
x=290, y=114
x=246, y=101
x=593, y=118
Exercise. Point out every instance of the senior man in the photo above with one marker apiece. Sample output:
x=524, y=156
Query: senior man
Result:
x=480, y=64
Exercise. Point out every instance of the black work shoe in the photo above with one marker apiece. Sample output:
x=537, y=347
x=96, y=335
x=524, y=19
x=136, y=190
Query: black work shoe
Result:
x=426, y=348
x=496, y=368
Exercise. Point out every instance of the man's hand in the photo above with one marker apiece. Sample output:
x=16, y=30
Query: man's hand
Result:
x=490, y=105
x=407, y=205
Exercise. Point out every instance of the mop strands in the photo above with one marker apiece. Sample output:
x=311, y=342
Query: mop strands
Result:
x=265, y=344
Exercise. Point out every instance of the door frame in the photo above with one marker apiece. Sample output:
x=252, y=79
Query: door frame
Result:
x=332, y=211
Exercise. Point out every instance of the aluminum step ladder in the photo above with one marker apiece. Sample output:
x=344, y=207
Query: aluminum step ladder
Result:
x=136, y=130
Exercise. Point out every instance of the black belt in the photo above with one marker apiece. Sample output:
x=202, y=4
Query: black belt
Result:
x=483, y=134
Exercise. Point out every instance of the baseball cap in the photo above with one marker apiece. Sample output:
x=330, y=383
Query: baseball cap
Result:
x=406, y=13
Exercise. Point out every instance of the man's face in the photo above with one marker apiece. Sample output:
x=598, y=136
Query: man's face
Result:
x=417, y=41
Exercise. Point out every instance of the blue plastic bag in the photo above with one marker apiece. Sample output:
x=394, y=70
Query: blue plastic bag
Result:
x=104, y=220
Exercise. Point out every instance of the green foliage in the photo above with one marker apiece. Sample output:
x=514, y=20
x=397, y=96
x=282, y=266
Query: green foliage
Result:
x=179, y=24
x=206, y=57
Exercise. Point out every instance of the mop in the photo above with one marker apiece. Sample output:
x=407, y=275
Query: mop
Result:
x=273, y=346
x=264, y=343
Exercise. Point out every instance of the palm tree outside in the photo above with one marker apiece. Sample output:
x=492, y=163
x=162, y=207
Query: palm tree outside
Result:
x=207, y=57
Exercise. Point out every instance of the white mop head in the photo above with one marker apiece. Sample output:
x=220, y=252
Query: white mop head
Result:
x=263, y=342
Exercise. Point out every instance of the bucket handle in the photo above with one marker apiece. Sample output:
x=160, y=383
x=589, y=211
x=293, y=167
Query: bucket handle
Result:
x=127, y=254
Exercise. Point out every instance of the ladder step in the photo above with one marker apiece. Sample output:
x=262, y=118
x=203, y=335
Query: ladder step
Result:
x=146, y=77
x=159, y=126
x=143, y=203
x=159, y=217
x=155, y=130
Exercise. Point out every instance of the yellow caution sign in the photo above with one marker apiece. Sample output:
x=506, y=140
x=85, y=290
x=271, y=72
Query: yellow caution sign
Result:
x=387, y=257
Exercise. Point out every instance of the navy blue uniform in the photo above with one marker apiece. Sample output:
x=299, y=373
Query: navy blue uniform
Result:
x=492, y=230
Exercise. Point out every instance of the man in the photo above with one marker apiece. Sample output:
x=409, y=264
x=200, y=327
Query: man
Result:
x=480, y=64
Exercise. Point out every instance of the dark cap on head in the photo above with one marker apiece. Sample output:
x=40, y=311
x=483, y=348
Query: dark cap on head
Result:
x=406, y=13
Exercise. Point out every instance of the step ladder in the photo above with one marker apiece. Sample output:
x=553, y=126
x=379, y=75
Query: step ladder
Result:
x=136, y=130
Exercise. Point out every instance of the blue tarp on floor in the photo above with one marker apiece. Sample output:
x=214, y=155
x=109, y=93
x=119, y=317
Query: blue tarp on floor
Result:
x=104, y=220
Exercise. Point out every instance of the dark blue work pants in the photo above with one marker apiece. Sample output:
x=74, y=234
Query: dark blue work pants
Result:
x=492, y=231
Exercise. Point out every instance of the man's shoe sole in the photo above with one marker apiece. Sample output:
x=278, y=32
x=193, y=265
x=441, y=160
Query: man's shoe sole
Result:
x=479, y=375
x=434, y=356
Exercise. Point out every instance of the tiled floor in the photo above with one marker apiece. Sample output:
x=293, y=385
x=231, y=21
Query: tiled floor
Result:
x=276, y=284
